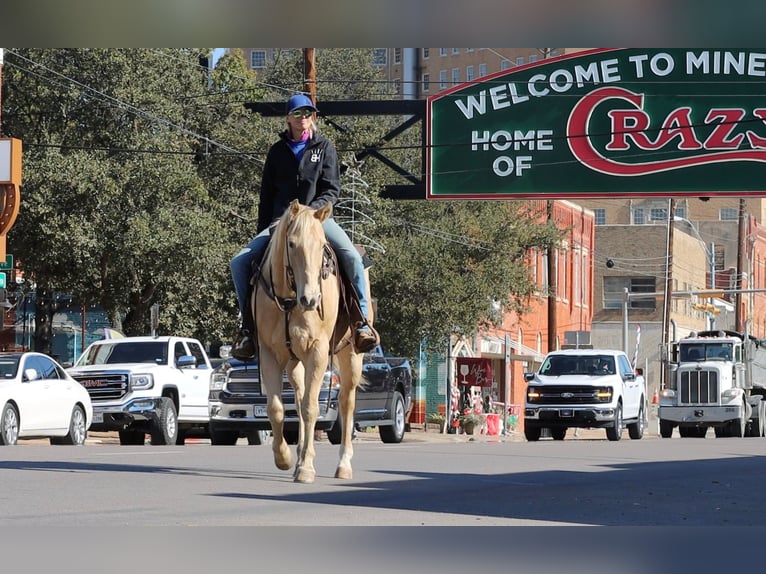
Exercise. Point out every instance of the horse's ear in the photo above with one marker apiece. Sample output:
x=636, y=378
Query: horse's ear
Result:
x=294, y=207
x=324, y=212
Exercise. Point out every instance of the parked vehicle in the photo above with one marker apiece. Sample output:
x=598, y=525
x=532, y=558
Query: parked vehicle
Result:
x=585, y=388
x=40, y=400
x=140, y=385
x=717, y=379
x=238, y=407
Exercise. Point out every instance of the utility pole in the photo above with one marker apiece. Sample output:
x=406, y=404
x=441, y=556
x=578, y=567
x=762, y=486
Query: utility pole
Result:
x=739, y=323
x=552, y=283
x=668, y=289
x=310, y=74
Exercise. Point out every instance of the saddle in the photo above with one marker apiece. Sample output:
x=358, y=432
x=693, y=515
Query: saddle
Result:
x=349, y=311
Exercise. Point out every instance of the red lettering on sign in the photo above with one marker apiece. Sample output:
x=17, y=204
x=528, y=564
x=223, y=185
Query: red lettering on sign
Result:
x=627, y=126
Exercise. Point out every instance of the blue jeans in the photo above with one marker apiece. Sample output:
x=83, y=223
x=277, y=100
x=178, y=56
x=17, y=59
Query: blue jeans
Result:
x=348, y=257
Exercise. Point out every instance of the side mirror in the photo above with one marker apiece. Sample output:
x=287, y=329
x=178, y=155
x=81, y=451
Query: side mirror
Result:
x=629, y=377
x=31, y=374
x=186, y=361
x=529, y=377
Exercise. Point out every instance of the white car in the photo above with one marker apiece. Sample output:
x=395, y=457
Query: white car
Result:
x=39, y=399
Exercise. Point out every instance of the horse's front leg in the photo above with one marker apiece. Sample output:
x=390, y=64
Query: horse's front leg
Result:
x=350, y=368
x=271, y=382
x=309, y=410
x=297, y=377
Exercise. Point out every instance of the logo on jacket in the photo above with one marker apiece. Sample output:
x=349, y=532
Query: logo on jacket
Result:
x=316, y=157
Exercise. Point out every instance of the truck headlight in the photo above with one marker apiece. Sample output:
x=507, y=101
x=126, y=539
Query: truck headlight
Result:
x=142, y=381
x=217, y=381
x=729, y=394
x=667, y=393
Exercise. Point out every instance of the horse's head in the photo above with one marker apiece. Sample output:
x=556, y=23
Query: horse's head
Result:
x=304, y=246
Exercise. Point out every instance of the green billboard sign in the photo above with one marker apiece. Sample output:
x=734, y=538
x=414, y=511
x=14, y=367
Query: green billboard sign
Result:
x=604, y=123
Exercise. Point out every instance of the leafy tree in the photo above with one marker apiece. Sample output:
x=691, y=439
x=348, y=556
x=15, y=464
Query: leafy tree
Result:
x=114, y=207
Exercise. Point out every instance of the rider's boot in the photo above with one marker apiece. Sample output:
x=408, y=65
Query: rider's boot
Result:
x=245, y=346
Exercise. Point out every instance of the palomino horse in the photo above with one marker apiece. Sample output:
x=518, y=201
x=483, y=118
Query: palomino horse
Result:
x=297, y=304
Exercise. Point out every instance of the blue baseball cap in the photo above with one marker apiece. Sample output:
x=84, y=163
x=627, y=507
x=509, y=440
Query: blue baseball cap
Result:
x=300, y=101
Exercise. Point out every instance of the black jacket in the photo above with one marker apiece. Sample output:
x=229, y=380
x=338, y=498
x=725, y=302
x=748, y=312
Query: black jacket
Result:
x=314, y=182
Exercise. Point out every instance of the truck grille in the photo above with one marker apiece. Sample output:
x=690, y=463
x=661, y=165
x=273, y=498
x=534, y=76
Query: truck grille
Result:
x=249, y=383
x=699, y=387
x=568, y=395
x=104, y=386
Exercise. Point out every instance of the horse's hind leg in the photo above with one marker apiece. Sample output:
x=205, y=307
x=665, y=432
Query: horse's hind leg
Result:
x=350, y=367
x=271, y=380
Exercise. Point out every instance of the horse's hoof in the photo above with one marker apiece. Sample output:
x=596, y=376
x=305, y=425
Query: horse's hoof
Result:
x=283, y=459
x=344, y=473
x=305, y=476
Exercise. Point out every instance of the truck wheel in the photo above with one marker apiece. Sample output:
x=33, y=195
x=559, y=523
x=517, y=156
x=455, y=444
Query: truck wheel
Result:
x=636, y=429
x=666, y=429
x=558, y=433
x=614, y=432
x=132, y=437
x=165, y=430
x=721, y=431
x=78, y=430
x=532, y=434
x=259, y=437
x=394, y=433
x=224, y=438
x=335, y=434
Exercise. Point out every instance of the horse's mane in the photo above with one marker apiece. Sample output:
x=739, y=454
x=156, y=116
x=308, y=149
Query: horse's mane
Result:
x=300, y=221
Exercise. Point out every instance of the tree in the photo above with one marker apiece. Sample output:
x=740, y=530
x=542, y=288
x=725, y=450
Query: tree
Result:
x=115, y=210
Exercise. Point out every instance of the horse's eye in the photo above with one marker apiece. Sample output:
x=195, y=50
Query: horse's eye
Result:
x=291, y=244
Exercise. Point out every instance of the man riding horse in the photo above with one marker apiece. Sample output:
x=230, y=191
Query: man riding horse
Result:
x=302, y=165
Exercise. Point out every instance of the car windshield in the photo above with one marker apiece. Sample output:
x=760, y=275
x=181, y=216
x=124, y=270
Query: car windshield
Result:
x=706, y=352
x=8, y=367
x=560, y=365
x=155, y=352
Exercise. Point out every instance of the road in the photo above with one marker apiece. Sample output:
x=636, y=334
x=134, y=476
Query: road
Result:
x=449, y=481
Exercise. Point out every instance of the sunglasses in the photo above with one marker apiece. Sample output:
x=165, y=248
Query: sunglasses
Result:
x=305, y=113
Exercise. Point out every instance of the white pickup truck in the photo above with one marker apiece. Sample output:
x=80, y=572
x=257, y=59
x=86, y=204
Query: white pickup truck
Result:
x=140, y=385
x=585, y=388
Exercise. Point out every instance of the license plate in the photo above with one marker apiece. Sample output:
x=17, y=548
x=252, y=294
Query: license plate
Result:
x=98, y=417
x=566, y=413
x=259, y=411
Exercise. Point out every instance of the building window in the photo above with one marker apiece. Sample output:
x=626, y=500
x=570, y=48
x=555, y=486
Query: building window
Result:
x=455, y=50
x=532, y=58
x=614, y=288
x=658, y=214
x=442, y=79
x=482, y=70
x=455, y=76
x=469, y=49
x=442, y=51
x=469, y=73
x=258, y=59
x=599, y=216
x=398, y=86
x=505, y=65
x=426, y=53
x=520, y=61
x=426, y=82
x=720, y=257
x=728, y=214
x=380, y=56
x=397, y=55
x=681, y=211
x=554, y=52
x=638, y=216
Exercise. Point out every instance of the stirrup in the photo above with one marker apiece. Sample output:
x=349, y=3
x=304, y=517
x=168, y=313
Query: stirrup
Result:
x=244, y=349
x=365, y=337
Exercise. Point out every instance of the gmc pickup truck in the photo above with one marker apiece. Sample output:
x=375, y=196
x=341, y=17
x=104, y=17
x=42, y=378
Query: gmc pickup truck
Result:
x=140, y=385
x=238, y=407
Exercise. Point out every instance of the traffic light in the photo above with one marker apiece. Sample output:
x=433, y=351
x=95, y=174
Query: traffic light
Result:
x=708, y=307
